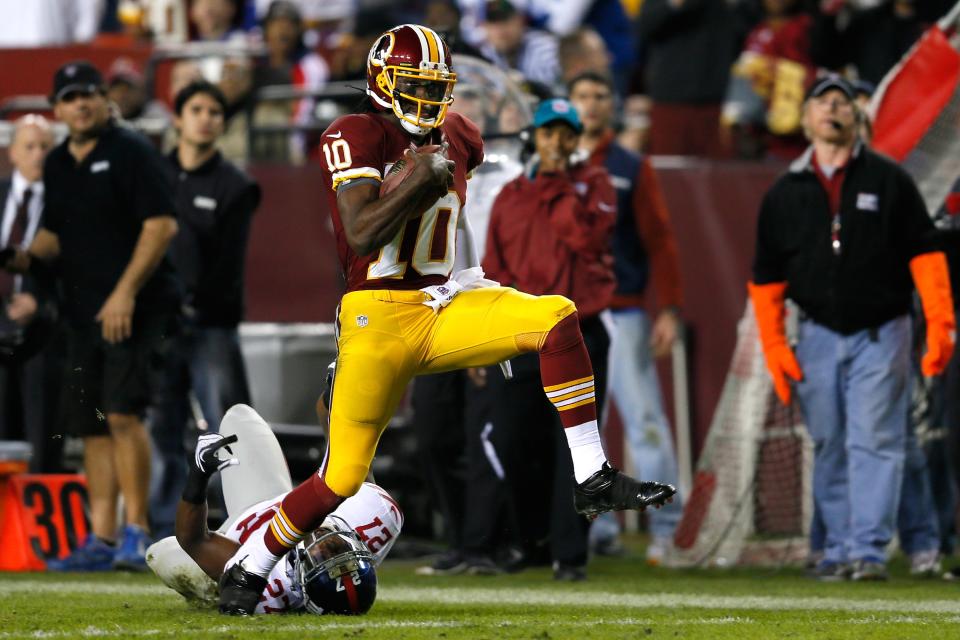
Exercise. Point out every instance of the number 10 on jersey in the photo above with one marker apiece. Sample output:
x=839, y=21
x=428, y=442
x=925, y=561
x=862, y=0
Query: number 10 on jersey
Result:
x=427, y=243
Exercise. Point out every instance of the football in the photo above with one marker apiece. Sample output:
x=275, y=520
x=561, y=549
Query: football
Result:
x=402, y=168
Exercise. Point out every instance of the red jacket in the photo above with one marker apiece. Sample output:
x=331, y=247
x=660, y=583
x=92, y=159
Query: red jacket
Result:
x=651, y=223
x=551, y=235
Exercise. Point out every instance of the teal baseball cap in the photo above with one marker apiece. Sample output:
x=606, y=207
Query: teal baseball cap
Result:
x=557, y=109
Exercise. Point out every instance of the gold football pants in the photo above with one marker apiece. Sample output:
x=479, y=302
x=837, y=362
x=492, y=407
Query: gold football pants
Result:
x=387, y=337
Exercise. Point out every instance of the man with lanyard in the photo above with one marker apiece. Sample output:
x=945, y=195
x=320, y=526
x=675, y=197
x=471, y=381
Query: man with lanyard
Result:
x=846, y=236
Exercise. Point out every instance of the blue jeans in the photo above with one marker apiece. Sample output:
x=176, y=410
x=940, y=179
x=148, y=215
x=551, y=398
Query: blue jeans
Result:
x=854, y=398
x=634, y=388
x=207, y=361
x=917, y=519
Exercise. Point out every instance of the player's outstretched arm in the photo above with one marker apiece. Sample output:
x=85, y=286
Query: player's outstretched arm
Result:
x=370, y=221
x=208, y=549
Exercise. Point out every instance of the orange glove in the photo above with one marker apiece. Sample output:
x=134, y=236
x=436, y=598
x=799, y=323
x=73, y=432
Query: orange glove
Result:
x=932, y=279
x=771, y=314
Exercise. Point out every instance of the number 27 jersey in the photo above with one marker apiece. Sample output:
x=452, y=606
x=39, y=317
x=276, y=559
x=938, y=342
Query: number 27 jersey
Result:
x=364, y=147
x=371, y=512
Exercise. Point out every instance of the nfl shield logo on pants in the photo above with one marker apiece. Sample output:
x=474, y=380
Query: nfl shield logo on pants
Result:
x=362, y=321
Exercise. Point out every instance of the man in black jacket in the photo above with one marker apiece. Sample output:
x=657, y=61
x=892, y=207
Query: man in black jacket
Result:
x=215, y=203
x=846, y=236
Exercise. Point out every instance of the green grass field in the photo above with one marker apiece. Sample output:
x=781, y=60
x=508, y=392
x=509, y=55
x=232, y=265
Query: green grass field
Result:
x=622, y=599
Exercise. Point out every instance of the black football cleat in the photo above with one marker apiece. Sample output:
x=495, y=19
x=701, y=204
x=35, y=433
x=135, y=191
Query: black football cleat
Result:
x=611, y=490
x=240, y=591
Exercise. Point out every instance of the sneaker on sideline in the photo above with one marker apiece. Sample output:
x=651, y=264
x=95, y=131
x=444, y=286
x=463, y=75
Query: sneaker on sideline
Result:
x=482, y=566
x=450, y=563
x=568, y=572
x=830, y=571
x=93, y=555
x=659, y=550
x=925, y=564
x=869, y=570
x=132, y=550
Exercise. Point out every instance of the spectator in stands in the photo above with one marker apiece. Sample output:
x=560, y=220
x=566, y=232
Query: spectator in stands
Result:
x=690, y=45
x=549, y=233
x=864, y=91
x=126, y=89
x=644, y=252
x=444, y=16
x=107, y=222
x=349, y=60
x=580, y=52
x=25, y=413
x=767, y=83
x=635, y=132
x=49, y=23
x=871, y=39
x=215, y=202
x=605, y=18
x=290, y=62
x=511, y=44
x=842, y=234
x=215, y=20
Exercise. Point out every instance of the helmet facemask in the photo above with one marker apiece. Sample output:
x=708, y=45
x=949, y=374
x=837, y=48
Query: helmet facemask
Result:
x=421, y=97
x=332, y=560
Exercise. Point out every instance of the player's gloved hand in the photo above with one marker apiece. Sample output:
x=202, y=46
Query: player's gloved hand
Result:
x=206, y=456
x=206, y=462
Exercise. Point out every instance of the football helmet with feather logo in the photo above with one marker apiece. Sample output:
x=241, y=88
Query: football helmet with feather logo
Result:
x=409, y=70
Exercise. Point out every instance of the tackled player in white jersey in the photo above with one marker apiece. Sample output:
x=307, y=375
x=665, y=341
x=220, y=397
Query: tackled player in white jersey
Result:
x=333, y=570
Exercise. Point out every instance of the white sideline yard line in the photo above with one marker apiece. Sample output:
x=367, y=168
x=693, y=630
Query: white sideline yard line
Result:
x=330, y=624
x=455, y=595
x=566, y=599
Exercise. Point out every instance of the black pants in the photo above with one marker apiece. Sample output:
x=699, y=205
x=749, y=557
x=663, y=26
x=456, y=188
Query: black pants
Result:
x=28, y=406
x=529, y=440
x=451, y=419
x=438, y=420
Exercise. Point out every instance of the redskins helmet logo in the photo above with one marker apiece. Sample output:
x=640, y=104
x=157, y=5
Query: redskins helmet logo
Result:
x=409, y=72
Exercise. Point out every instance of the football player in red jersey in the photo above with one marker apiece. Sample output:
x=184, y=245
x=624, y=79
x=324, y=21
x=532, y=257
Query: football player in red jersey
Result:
x=417, y=301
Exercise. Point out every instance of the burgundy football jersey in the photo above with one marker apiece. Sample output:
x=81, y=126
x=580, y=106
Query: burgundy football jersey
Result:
x=365, y=146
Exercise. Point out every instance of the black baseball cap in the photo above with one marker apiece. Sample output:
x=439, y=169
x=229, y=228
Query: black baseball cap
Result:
x=826, y=83
x=78, y=75
x=499, y=10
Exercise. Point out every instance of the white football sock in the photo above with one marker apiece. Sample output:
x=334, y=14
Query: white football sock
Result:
x=253, y=556
x=585, y=449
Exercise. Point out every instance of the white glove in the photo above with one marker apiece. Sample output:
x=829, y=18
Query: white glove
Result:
x=206, y=456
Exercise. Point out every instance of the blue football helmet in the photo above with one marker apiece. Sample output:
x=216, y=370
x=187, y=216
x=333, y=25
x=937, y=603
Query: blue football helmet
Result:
x=336, y=570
